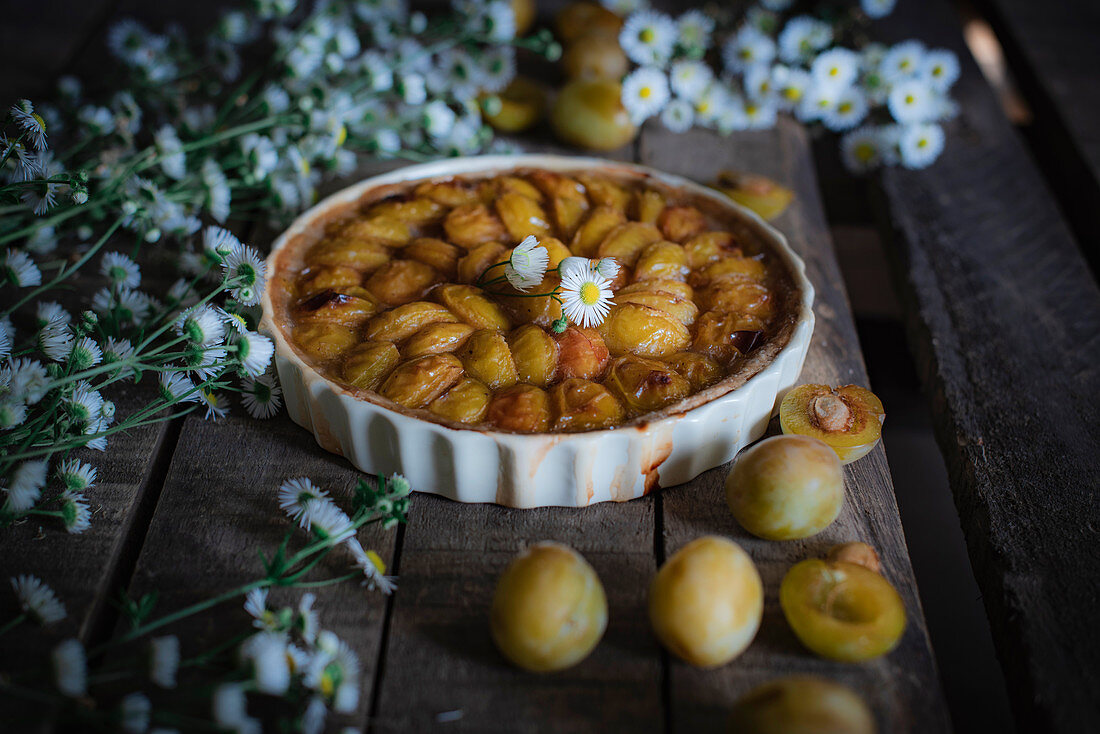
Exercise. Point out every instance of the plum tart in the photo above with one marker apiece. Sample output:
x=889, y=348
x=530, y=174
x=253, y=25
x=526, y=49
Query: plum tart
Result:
x=396, y=337
x=389, y=299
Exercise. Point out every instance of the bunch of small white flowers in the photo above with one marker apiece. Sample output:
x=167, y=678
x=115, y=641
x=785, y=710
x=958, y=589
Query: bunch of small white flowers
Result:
x=583, y=290
x=888, y=102
x=54, y=374
x=285, y=653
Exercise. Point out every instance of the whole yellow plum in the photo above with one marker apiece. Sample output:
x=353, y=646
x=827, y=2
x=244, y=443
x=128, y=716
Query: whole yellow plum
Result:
x=590, y=113
x=786, y=488
x=706, y=602
x=801, y=704
x=549, y=610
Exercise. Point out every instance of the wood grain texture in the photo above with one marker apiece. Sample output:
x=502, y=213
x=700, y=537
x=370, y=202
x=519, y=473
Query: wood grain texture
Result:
x=903, y=687
x=1053, y=52
x=1005, y=319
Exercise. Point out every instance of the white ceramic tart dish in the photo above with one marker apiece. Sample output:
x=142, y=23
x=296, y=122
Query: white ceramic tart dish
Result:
x=478, y=464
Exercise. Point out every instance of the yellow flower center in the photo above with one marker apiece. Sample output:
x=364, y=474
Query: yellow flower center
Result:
x=834, y=71
x=39, y=120
x=792, y=93
x=844, y=107
x=645, y=92
x=910, y=99
x=646, y=35
x=865, y=152
x=589, y=294
x=377, y=561
x=341, y=136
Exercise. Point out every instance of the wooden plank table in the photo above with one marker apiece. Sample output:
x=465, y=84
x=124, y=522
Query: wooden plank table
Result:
x=988, y=268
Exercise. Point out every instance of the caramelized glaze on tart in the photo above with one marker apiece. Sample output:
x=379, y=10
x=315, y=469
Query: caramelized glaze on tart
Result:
x=382, y=298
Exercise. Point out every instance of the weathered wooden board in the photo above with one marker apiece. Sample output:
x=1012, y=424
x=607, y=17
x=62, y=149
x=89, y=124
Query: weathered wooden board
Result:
x=903, y=688
x=218, y=510
x=1005, y=319
x=1053, y=50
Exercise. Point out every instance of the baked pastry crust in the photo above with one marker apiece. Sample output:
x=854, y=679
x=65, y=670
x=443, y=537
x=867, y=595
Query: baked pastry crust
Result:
x=378, y=297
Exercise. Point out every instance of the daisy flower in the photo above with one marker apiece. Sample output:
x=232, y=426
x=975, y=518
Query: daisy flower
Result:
x=177, y=387
x=497, y=68
x=816, y=103
x=328, y=521
x=270, y=667
x=29, y=380
x=747, y=48
x=689, y=79
x=55, y=339
x=308, y=619
x=173, y=161
x=647, y=37
x=375, y=72
x=373, y=568
x=712, y=104
x=18, y=269
x=75, y=513
x=215, y=406
x=218, y=194
x=50, y=311
x=202, y=326
x=693, y=31
x=117, y=350
x=790, y=85
x=412, y=89
x=861, y=149
x=645, y=92
x=920, y=145
x=261, y=396
x=438, y=119
x=759, y=114
x=70, y=666
x=254, y=352
x=877, y=8
x=164, y=660
x=527, y=264
x=586, y=297
x=296, y=497
x=25, y=486
x=759, y=83
x=85, y=353
x=244, y=269
x=37, y=599
x=217, y=243
x=22, y=112
x=850, y=110
x=76, y=475
x=120, y=270
x=940, y=69
x=85, y=404
x=334, y=672
x=230, y=708
x=902, y=61
x=135, y=709
x=678, y=115
x=255, y=603
x=801, y=37
x=837, y=66
x=911, y=100
x=498, y=21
